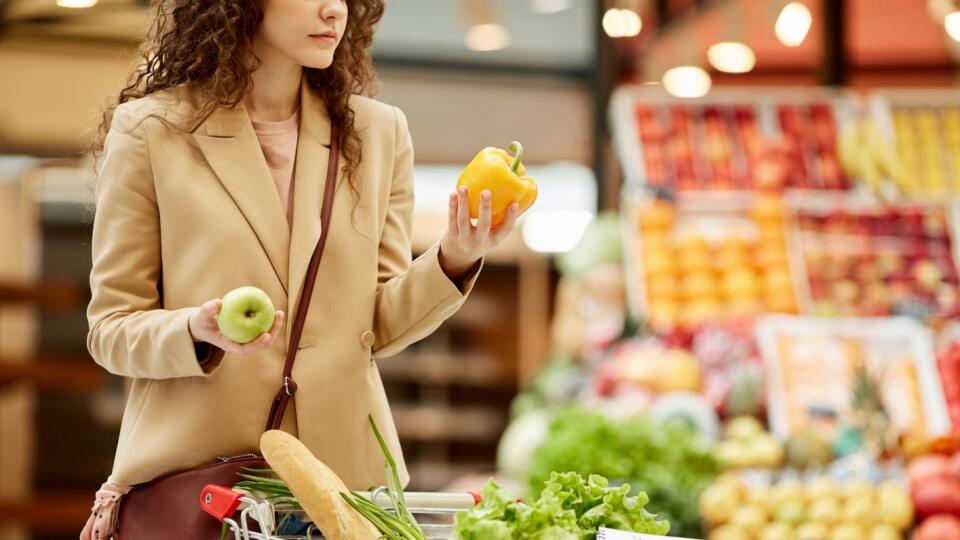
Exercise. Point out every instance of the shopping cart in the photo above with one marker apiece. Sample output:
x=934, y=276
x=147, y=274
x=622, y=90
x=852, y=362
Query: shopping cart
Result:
x=262, y=520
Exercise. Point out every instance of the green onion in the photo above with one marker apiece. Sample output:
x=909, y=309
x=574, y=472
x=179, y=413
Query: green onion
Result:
x=264, y=484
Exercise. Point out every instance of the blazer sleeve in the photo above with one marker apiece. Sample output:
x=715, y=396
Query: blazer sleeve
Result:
x=130, y=333
x=413, y=298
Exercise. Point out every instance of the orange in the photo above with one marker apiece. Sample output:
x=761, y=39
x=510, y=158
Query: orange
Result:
x=741, y=283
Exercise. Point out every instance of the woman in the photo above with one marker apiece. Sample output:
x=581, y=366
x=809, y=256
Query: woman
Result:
x=211, y=177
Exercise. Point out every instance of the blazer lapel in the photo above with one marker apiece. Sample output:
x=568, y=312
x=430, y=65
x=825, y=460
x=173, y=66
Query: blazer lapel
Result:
x=230, y=146
x=310, y=174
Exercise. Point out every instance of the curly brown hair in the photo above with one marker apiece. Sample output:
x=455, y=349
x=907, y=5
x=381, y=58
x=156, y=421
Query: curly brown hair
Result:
x=207, y=46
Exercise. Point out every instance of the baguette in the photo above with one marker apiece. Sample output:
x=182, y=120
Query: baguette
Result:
x=316, y=486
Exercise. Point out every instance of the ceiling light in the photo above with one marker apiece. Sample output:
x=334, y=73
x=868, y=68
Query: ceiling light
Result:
x=618, y=23
x=793, y=24
x=731, y=57
x=633, y=23
x=487, y=37
x=952, y=23
x=76, y=3
x=687, y=81
x=939, y=9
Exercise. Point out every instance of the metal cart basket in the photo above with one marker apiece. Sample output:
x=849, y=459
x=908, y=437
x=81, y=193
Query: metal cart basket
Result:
x=250, y=518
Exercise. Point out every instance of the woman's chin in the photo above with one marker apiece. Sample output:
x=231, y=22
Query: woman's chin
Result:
x=317, y=61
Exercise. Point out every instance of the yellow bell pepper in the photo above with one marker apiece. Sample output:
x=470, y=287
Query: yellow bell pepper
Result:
x=493, y=169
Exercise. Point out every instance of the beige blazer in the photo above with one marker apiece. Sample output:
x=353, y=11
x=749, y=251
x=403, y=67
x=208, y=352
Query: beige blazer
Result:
x=182, y=218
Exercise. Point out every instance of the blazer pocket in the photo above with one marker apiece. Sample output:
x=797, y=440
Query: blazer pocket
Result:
x=306, y=345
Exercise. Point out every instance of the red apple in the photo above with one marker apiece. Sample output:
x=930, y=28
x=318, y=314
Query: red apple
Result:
x=929, y=467
x=939, y=527
x=937, y=495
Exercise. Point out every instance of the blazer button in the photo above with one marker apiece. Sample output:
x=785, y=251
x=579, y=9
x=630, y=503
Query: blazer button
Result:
x=367, y=338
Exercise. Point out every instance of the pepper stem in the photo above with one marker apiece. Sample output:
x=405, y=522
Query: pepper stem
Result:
x=517, y=150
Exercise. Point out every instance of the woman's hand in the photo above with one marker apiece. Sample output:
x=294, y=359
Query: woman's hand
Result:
x=464, y=243
x=203, y=327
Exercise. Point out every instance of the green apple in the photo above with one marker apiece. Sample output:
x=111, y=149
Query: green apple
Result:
x=245, y=313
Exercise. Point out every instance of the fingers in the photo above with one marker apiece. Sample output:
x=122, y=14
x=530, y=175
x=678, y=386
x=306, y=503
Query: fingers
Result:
x=262, y=342
x=208, y=312
x=463, y=211
x=266, y=338
x=277, y=325
x=484, y=219
x=452, y=214
x=505, y=228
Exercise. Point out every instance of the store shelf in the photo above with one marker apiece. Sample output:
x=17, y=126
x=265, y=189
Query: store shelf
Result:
x=435, y=477
x=54, y=373
x=54, y=296
x=50, y=513
x=441, y=423
x=470, y=369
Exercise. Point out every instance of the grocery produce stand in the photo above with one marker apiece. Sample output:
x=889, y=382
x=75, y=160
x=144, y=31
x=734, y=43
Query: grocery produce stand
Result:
x=252, y=518
x=852, y=389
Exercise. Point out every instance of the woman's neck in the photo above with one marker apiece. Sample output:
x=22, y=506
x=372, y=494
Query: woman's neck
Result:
x=275, y=95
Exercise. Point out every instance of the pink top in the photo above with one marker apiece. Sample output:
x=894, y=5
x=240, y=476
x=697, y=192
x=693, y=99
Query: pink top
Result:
x=278, y=140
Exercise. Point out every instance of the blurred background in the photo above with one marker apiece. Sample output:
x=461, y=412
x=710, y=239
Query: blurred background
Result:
x=746, y=226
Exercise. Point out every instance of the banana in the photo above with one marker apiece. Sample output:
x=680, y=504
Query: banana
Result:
x=848, y=149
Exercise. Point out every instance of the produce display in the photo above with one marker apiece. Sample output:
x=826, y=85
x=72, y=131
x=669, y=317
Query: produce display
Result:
x=857, y=382
x=818, y=509
x=505, y=177
x=866, y=155
x=699, y=268
x=928, y=145
x=668, y=462
x=735, y=140
x=880, y=261
x=722, y=147
x=810, y=141
x=688, y=148
x=569, y=507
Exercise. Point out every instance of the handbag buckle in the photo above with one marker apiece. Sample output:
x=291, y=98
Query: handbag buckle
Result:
x=289, y=386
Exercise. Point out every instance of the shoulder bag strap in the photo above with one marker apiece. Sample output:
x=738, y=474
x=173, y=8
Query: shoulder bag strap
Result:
x=289, y=387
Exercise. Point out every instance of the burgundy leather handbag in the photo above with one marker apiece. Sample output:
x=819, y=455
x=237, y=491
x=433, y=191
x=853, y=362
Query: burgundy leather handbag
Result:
x=169, y=506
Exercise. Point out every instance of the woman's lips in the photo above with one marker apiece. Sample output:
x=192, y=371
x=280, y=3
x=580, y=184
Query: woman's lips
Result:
x=324, y=38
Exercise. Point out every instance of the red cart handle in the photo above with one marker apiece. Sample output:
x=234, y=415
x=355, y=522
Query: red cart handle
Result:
x=219, y=501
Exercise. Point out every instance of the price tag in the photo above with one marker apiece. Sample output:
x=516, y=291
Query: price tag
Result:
x=614, y=534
